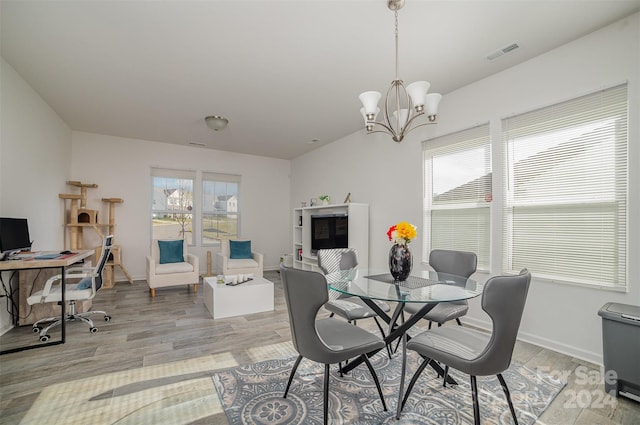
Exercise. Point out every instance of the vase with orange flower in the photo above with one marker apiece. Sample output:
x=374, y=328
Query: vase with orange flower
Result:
x=400, y=258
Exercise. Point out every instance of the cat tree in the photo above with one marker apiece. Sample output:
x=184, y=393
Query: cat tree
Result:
x=80, y=217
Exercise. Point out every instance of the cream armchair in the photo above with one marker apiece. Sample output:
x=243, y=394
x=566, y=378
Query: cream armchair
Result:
x=230, y=266
x=171, y=265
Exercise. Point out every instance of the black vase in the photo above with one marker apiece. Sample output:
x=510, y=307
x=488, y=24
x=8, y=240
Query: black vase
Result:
x=400, y=262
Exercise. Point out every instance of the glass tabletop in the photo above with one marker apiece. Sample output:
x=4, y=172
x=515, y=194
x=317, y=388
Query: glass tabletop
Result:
x=420, y=286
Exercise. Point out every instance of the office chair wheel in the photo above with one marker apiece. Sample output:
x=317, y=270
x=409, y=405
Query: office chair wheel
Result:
x=44, y=338
x=36, y=329
x=107, y=318
x=93, y=330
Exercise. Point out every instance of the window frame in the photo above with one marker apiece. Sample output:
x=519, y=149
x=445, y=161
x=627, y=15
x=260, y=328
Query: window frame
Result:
x=589, y=110
x=499, y=232
x=168, y=173
x=212, y=177
x=456, y=143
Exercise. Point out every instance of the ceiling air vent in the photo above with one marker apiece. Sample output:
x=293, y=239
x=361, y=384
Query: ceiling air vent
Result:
x=500, y=52
x=202, y=145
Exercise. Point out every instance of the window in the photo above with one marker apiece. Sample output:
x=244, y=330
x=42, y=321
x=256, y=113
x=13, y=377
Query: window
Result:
x=172, y=206
x=458, y=193
x=565, y=190
x=220, y=207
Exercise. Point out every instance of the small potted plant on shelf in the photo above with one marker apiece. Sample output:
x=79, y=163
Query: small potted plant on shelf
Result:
x=324, y=199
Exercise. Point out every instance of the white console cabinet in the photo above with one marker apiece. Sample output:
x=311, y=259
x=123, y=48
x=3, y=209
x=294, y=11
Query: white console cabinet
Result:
x=358, y=221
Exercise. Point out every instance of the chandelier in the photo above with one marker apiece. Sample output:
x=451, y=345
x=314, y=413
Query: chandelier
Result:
x=402, y=104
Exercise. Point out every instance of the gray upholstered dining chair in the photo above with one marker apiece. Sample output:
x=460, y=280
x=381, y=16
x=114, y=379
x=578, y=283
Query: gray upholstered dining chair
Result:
x=474, y=352
x=327, y=341
x=459, y=263
x=347, y=306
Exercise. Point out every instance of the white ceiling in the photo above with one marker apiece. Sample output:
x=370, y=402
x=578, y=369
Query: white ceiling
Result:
x=283, y=72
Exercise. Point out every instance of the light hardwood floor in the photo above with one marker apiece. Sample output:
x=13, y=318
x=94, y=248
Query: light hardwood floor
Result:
x=176, y=325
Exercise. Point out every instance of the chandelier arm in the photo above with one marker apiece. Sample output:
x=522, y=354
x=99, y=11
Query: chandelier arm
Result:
x=396, y=137
x=423, y=124
x=386, y=107
x=395, y=84
x=398, y=108
x=379, y=131
x=389, y=129
x=408, y=127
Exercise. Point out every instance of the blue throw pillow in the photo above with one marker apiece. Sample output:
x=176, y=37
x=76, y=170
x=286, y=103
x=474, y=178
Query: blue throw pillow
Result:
x=84, y=283
x=240, y=250
x=171, y=251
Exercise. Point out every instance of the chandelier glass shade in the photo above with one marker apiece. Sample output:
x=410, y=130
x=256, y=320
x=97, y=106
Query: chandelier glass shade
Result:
x=402, y=104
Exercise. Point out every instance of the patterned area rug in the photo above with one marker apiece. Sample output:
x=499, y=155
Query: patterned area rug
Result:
x=252, y=395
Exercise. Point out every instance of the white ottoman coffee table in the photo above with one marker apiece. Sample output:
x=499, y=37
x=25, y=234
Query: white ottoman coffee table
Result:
x=250, y=297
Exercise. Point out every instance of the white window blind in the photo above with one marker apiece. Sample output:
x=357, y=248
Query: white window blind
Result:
x=565, y=214
x=458, y=193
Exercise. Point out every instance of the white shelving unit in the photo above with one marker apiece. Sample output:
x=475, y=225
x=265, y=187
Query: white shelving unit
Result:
x=297, y=237
x=358, y=219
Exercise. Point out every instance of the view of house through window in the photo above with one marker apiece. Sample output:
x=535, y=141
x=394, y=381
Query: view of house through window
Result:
x=172, y=204
x=220, y=207
x=458, y=193
x=565, y=197
x=563, y=209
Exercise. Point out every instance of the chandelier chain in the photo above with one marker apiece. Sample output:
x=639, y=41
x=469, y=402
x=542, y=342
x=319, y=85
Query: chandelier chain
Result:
x=397, y=61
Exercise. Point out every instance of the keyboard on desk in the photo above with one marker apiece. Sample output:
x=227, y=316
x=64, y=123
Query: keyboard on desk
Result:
x=47, y=256
x=36, y=256
x=27, y=256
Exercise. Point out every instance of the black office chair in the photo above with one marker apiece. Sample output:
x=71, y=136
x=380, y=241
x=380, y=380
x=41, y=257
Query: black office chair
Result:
x=474, y=352
x=328, y=341
x=89, y=284
x=459, y=263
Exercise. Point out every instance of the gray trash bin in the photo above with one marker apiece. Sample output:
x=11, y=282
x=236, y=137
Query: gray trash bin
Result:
x=621, y=349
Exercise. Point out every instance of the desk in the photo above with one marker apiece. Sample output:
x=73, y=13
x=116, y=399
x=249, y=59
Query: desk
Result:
x=427, y=287
x=62, y=263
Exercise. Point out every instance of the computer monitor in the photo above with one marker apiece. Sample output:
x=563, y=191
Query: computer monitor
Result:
x=14, y=235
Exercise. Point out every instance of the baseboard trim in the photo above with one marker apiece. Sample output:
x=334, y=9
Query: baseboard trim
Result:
x=547, y=343
x=271, y=269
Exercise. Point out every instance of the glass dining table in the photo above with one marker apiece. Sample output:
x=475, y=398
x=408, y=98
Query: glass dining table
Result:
x=427, y=288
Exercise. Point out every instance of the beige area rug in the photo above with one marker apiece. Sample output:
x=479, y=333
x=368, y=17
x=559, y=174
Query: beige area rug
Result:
x=172, y=393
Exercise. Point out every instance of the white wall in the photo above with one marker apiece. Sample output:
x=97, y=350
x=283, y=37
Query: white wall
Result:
x=35, y=162
x=121, y=169
x=388, y=175
x=376, y=171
